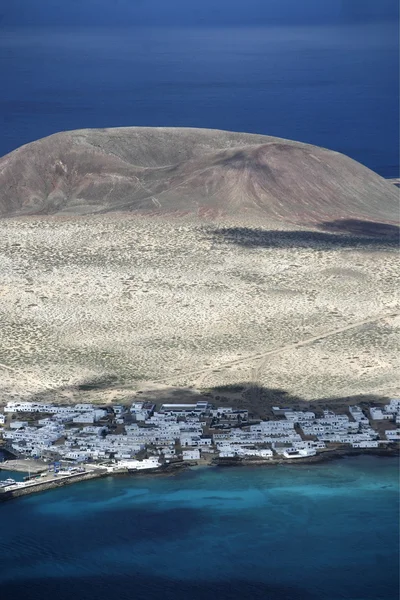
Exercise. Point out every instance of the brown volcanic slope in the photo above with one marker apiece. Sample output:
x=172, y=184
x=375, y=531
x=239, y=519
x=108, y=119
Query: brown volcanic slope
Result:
x=199, y=171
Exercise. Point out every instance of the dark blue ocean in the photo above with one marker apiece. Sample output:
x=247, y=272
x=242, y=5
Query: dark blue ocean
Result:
x=320, y=532
x=319, y=71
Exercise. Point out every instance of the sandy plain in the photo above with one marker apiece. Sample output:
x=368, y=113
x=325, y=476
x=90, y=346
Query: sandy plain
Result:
x=98, y=308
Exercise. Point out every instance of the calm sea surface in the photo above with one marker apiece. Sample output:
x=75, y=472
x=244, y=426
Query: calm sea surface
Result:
x=319, y=71
x=321, y=532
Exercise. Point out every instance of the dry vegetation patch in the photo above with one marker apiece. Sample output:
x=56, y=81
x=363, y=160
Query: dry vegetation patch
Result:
x=141, y=300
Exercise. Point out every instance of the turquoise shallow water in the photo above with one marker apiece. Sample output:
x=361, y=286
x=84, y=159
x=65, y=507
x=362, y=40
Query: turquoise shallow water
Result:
x=13, y=475
x=325, y=532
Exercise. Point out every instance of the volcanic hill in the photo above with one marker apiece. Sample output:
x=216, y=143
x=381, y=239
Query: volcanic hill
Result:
x=143, y=257
x=190, y=171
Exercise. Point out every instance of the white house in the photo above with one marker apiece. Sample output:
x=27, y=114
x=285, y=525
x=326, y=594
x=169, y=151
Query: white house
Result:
x=377, y=414
x=393, y=435
x=300, y=453
x=18, y=424
x=191, y=454
x=366, y=444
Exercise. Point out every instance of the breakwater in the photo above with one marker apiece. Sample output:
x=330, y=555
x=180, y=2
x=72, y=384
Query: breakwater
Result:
x=41, y=486
x=34, y=486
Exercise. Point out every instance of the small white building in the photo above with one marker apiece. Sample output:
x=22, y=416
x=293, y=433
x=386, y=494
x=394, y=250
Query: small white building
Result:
x=377, y=414
x=300, y=453
x=90, y=417
x=393, y=435
x=366, y=444
x=358, y=415
x=191, y=454
x=393, y=406
x=18, y=424
x=256, y=452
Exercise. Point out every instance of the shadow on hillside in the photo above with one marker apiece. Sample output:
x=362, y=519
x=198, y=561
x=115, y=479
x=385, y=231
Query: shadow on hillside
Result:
x=101, y=383
x=359, y=227
x=258, y=399
x=349, y=233
x=109, y=383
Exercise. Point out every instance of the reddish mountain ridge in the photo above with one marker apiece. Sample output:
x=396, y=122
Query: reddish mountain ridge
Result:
x=199, y=171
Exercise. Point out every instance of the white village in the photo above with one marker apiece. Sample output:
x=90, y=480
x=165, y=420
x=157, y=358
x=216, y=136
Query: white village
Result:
x=80, y=441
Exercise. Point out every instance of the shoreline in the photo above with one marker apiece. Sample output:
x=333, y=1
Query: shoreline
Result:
x=321, y=457
x=174, y=468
